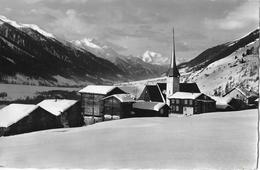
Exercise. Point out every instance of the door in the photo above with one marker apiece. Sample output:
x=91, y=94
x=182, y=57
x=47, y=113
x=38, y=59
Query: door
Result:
x=188, y=111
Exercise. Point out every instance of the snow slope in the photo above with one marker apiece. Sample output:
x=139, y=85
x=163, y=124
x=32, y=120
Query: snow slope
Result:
x=32, y=26
x=223, y=140
x=237, y=69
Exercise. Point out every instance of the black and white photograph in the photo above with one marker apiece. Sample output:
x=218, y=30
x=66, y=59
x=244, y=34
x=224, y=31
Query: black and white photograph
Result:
x=129, y=84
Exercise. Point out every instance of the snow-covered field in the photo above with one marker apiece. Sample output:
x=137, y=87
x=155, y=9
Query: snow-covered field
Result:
x=223, y=140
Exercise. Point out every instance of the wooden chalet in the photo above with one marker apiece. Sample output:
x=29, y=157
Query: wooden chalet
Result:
x=67, y=112
x=191, y=103
x=248, y=97
x=117, y=106
x=150, y=109
x=91, y=97
x=24, y=118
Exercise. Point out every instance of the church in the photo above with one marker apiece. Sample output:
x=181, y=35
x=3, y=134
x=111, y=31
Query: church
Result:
x=182, y=98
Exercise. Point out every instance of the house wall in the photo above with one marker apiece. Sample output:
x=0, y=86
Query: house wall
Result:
x=90, y=104
x=39, y=119
x=113, y=107
x=176, y=105
x=163, y=112
x=200, y=105
x=72, y=117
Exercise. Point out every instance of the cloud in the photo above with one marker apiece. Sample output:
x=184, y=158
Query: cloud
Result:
x=244, y=15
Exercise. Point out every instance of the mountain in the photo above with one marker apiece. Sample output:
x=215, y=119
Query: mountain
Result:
x=30, y=55
x=154, y=58
x=223, y=67
x=130, y=65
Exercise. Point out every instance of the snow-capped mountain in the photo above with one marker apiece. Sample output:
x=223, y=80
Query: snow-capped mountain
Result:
x=154, y=58
x=21, y=26
x=221, y=68
x=128, y=64
x=30, y=55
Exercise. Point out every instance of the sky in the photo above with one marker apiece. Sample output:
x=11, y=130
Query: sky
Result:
x=133, y=26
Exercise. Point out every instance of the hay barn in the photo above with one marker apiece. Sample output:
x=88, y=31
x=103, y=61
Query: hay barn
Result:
x=67, y=112
x=24, y=118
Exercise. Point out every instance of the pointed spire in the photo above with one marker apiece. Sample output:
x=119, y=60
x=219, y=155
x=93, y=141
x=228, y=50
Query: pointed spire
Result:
x=173, y=71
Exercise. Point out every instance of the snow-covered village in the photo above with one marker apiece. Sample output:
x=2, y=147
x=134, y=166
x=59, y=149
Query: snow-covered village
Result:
x=68, y=101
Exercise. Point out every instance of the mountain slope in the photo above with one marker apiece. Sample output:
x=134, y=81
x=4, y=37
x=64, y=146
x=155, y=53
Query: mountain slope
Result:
x=135, y=67
x=30, y=55
x=223, y=67
x=26, y=55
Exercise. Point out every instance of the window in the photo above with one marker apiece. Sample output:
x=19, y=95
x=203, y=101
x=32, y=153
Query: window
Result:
x=177, y=101
x=173, y=101
x=191, y=102
x=185, y=101
x=173, y=108
x=177, y=108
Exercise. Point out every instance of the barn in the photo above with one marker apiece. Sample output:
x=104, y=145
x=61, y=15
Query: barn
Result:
x=242, y=94
x=191, y=103
x=91, y=101
x=24, y=118
x=67, y=112
x=150, y=109
x=117, y=106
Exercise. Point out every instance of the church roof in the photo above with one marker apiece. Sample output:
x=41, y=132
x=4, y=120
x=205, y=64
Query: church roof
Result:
x=154, y=93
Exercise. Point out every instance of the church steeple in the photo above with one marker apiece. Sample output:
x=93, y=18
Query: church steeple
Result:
x=173, y=70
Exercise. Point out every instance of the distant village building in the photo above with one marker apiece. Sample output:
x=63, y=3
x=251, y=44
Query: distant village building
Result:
x=191, y=103
x=248, y=97
x=150, y=109
x=67, y=112
x=223, y=103
x=91, y=97
x=117, y=106
x=23, y=118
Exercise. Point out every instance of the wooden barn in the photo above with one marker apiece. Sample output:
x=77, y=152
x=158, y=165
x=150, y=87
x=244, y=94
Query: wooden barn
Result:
x=223, y=103
x=191, y=103
x=67, y=112
x=91, y=101
x=248, y=97
x=150, y=109
x=117, y=106
x=24, y=118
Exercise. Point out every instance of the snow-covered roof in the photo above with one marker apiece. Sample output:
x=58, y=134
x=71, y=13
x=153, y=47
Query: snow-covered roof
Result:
x=15, y=112
x=185, y=95
x=122, y=97
x=56, y=106
x=97, y=89
x=156, y=106
x=221, y=100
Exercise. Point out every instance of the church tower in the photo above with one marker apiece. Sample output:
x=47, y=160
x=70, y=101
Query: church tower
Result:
x=173, y=76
